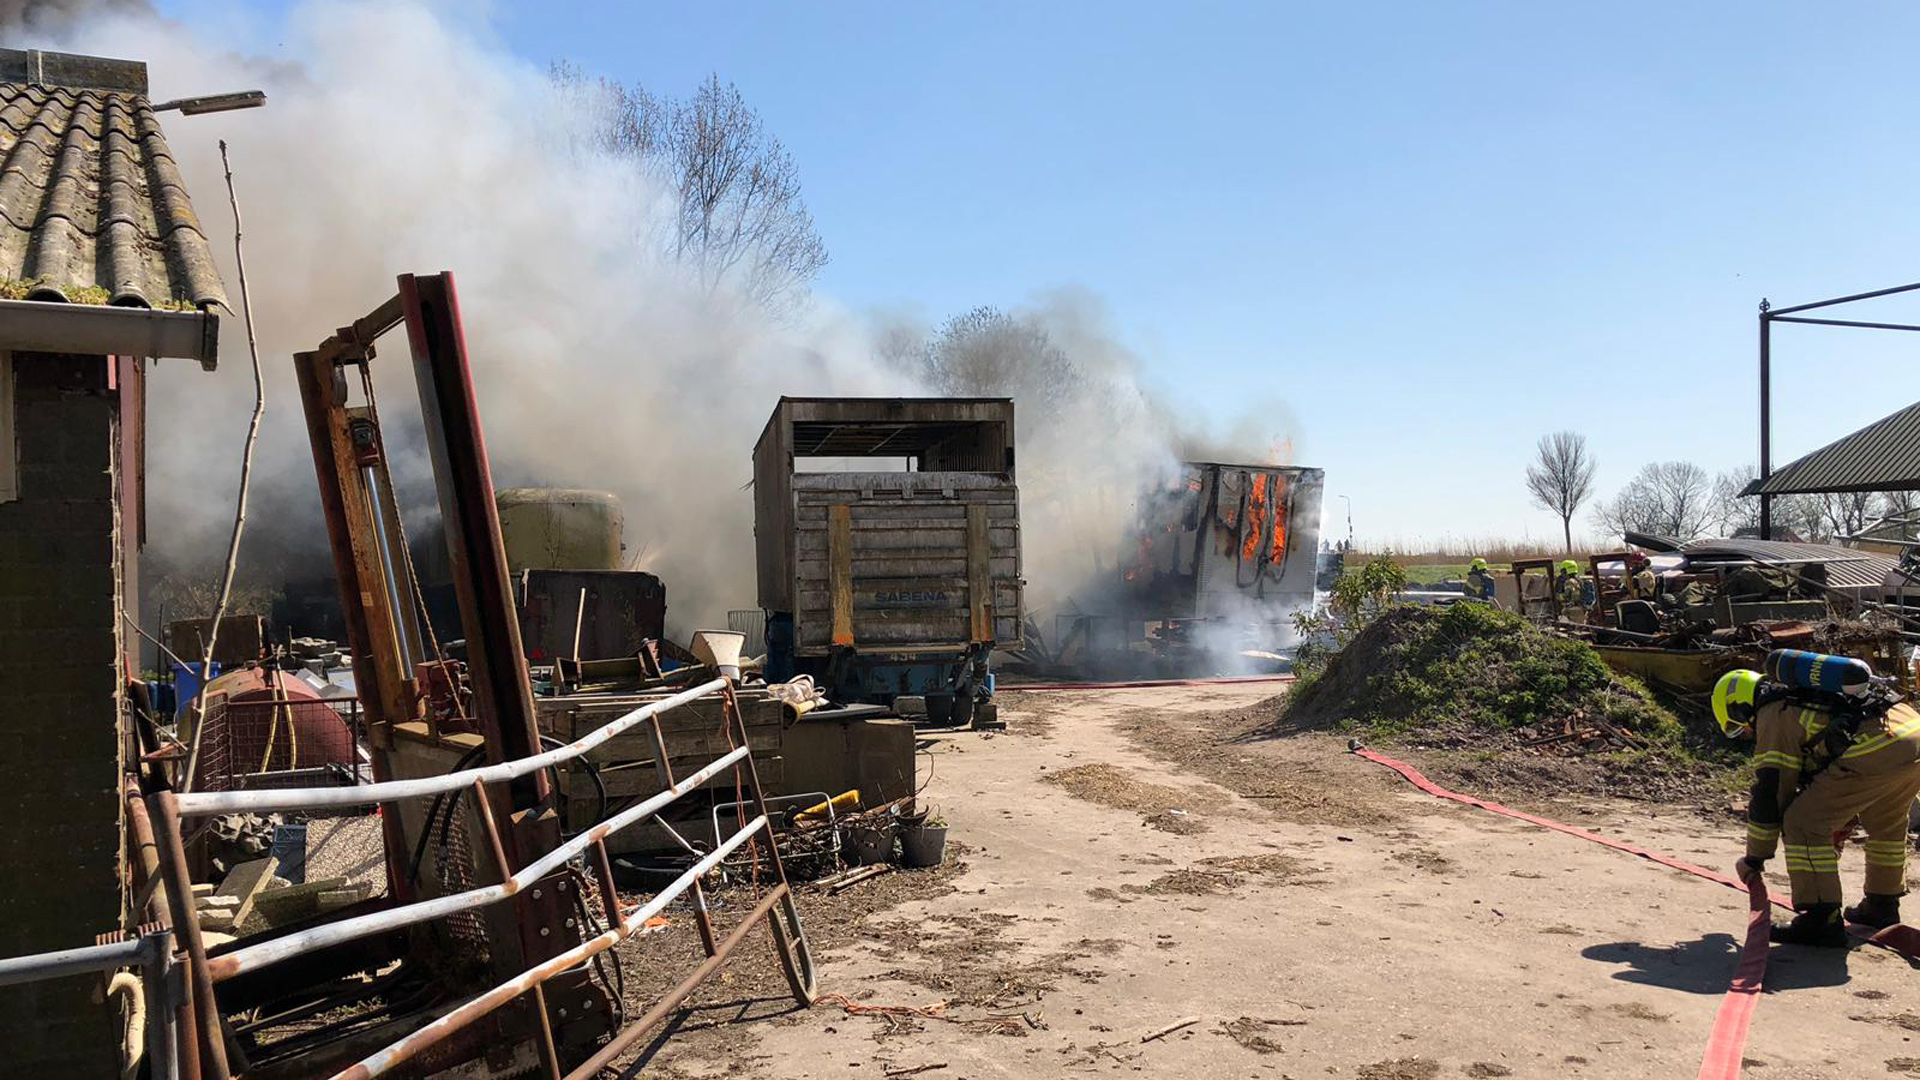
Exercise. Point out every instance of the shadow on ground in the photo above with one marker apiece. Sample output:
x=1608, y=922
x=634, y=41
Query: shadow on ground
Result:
x=694, y=1018
x=1705, y=966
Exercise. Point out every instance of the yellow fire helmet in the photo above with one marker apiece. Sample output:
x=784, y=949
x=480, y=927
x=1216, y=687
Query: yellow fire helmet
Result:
x=1733, y=701
x=1568, y=566
x=1477, y=564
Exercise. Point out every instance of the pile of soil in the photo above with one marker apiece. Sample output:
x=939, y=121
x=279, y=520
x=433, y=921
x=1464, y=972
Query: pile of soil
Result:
x=1509, y=704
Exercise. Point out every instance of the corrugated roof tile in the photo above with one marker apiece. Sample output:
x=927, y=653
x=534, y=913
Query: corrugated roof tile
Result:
x=92, y=204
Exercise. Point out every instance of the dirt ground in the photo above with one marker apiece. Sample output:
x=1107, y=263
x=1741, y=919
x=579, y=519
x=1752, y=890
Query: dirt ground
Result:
x=1128, y=864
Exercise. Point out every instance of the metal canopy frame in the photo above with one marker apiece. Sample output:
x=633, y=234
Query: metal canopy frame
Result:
x=1770, y=315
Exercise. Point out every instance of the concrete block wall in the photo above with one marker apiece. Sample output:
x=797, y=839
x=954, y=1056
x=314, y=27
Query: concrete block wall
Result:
x=60, y=707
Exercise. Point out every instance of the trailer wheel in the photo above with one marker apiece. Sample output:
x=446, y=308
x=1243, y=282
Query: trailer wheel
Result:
x=940, y=710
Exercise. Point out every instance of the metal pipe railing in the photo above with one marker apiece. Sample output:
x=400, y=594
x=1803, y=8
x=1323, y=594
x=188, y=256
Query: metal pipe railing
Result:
x=85, y=961
x=204, y=803
x=190, y=1043
x=384, y=1060
x=151, y=954
x=319, y=937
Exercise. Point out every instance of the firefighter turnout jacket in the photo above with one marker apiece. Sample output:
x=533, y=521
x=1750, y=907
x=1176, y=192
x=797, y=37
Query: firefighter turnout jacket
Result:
x=1807, y=789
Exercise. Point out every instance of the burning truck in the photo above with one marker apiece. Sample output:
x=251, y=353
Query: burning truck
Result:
x=1215, y=566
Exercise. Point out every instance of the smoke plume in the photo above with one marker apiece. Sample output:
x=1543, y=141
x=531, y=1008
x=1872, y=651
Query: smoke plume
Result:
x=395, y=139
x=397, y=142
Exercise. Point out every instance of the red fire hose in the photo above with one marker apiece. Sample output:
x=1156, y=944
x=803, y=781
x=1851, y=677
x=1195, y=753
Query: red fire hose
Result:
x=1139, y=684
x=1728, y=1040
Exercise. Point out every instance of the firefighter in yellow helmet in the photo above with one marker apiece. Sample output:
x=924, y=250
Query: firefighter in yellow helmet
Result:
x=1812, y=779
x=1572, y=591
x=1479, y=581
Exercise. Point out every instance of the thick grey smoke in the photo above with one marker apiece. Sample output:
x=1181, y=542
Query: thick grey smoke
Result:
x=23, y=21
x=396, y=139
x=1094, y=432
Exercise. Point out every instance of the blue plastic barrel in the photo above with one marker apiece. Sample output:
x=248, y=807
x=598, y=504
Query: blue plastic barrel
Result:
x=186, y=683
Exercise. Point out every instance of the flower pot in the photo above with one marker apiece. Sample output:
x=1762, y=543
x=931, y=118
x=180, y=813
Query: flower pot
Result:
x=867, y=845
x=924, y=846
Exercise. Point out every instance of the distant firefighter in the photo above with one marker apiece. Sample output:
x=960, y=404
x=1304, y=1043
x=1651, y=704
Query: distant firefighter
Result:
x=1575, y=592
x=1642, y=584
x=1479, y=581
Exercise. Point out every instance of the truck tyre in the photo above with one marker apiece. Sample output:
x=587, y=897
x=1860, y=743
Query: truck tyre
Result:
x=939, y=710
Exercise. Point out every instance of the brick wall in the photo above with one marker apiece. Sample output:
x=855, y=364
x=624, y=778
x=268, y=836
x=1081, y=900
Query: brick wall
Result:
x=60, y=641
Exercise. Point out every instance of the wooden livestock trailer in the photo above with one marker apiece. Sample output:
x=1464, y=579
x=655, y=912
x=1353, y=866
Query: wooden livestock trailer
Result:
x=888, y=540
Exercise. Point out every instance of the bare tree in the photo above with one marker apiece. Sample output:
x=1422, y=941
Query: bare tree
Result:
x=1849, y=512
x=1561, y=477
x=741, y=216
x=1632, y=509
x=987, y=351
x=1733, y=512
x=1800, y=517
x=1669, y=498
x=740, y=207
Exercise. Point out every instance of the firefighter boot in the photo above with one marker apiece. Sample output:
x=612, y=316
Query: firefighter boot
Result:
x=1875, y=910
x=1818, y=925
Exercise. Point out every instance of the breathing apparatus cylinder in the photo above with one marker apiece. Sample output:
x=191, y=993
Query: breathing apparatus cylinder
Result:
x=1819, y=671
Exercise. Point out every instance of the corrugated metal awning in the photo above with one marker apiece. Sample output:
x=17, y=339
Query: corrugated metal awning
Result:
x=1883, y=456
x=1845, y=568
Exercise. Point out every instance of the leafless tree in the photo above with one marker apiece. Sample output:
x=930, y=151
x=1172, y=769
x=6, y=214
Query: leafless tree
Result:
x=1849, y=512
x=741, y=216
x=1670, y=498
x=1632, y=509
x=1561, y=477
x=988, y=352
x=1802, y=517
x=740, y=207
x=1732, y=511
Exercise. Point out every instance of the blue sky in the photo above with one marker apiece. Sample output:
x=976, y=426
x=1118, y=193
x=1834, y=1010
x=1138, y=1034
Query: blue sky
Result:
x=1437, y=231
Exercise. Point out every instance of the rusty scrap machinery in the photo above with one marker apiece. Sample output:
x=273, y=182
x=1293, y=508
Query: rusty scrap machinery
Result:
x=487, y=954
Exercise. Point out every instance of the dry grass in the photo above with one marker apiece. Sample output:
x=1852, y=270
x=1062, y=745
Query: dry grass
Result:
x=1401, y=1069
x=1169, y=809
x=1500, y=553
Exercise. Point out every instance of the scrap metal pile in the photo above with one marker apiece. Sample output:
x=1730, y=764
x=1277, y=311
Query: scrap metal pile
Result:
x=287, y=932
x=1680, y=615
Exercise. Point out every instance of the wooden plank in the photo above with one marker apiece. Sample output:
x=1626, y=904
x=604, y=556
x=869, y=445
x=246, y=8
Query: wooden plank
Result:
x=840, y=574
x=817, y=601
x=893, y=515
x=892, y=482
x=951, y=564
x=1002, y=539
x=979, y=585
